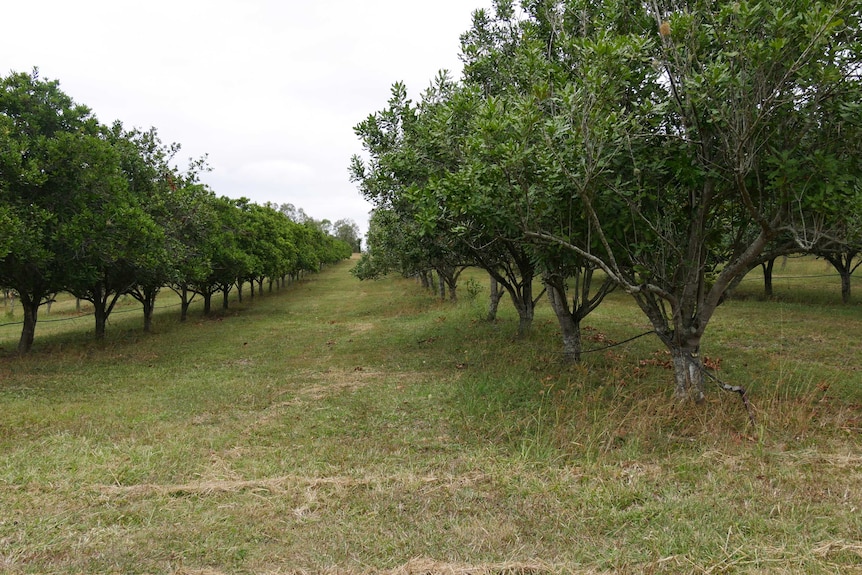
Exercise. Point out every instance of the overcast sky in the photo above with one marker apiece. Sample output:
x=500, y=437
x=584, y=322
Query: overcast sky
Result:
x=269, y=90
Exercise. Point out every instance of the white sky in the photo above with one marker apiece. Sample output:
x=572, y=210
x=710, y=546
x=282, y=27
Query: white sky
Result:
x=270, y=90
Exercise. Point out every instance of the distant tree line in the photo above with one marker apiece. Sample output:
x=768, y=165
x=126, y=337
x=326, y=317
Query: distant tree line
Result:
x=672, y=146
x=101, y=212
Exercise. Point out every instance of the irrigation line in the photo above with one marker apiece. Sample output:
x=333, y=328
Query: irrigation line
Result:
x=774, y=278
x=120, y=311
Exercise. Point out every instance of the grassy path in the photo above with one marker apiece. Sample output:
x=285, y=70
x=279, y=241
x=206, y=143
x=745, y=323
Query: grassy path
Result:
x=344, y=427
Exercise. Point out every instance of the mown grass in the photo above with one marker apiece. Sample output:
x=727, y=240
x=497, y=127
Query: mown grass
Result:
x=346, y=427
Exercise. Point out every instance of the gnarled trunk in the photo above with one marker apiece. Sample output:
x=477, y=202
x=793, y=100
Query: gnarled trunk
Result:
x=525, y=307
x=843, y=264
x=688, y=373
x=448, y=279
x=682, y=340
x=494, y=300
x=521, y=292
x=570, y=327
x=146, y=294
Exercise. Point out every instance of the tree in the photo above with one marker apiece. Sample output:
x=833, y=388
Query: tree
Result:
x=267, y=241
x=347, y=231
x=280, y=228
x=39, y=126
x=190, y=214
x=680, y=166
x=110, y=240
x=152, y=183
x=394, y=245
x=828, y=218
x=509, y=61
x=223, y=248
x=476, y=185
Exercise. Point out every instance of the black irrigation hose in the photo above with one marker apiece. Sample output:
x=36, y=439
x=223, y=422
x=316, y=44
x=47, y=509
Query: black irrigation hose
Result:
x=743, y=395
x=631, y=339
x=725, y=386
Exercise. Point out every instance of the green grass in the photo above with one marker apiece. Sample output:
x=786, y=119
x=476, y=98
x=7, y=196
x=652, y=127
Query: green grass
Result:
x=346, y=427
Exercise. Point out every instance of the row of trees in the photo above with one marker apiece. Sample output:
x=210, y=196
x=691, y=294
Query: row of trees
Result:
x=672, y=145
x=100, y=212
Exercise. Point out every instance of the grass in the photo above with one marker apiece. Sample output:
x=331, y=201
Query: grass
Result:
x=346, y=427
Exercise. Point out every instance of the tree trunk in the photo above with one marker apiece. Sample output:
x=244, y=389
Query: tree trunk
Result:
x=845, y=286
x=526, y=313
x=28, y=332
x=259, y=286
x=149, y=305
x=843, y=264
x=184, y=304
x=570, y=327
x=767, y=277
x=521, y=292
x=494, y=300
x=239, y=291
x=684, y=351
x=526, y=307
x=224, y=301
x=147, y=296
x=423, y=279
x=688, y=373
x=441, y=286
x=99, y=311
x=208, y=296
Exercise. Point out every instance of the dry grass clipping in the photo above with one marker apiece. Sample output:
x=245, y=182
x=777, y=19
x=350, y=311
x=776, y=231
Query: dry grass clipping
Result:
x=422, y=566
x=425, y=483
